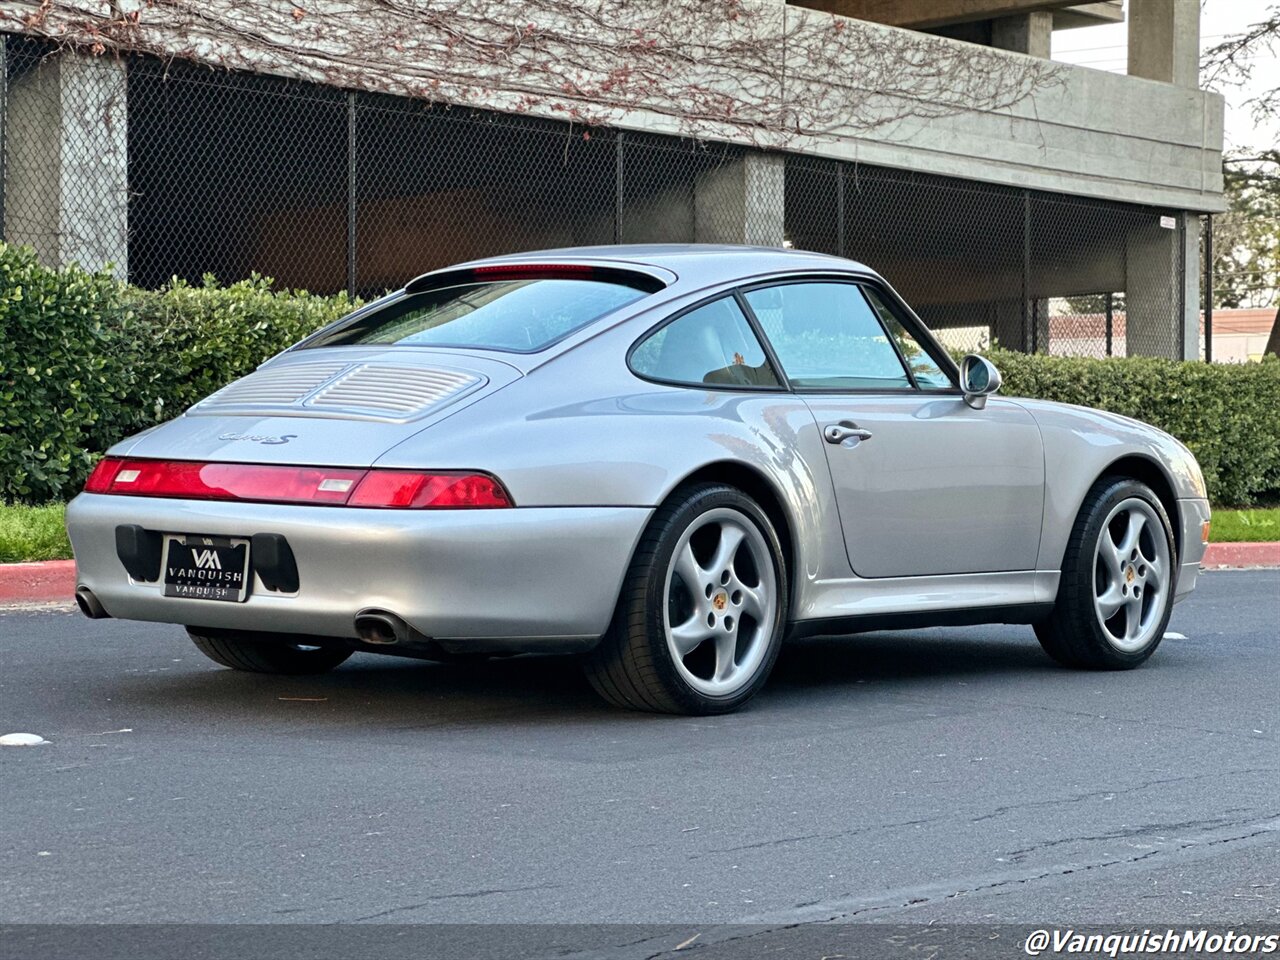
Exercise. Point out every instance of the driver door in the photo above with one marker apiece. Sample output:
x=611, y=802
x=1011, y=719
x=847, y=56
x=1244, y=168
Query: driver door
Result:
x=925, y=485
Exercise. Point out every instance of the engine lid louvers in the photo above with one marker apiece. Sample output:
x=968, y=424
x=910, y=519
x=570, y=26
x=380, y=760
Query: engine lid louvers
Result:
x=354, y=391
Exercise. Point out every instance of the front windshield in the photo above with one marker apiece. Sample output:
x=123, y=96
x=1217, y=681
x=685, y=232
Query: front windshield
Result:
x=521, y=315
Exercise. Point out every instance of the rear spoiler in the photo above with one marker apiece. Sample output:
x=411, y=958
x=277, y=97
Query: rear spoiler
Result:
x=490, y=272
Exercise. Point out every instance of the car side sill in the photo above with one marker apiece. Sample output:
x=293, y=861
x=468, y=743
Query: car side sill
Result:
x=909, y=620
x=927, y=596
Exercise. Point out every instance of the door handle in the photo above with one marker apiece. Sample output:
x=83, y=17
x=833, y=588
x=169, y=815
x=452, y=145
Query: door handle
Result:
x=844, y=430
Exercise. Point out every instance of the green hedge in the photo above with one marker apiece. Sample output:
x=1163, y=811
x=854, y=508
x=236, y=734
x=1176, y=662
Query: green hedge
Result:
x=64, y=389
x=201, y=338
x=86, y=360
x=1228, y=414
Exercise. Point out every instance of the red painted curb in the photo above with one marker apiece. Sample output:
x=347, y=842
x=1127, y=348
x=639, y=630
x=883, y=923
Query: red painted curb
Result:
x=46, y=582
x=1265, y=554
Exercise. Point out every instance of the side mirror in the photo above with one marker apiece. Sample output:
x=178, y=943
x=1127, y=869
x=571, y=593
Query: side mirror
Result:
x=979, y=379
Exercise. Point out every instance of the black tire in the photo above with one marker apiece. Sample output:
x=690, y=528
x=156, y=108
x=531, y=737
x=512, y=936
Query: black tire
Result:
x=254, y=655
x=632, y=666
x=1073, y=634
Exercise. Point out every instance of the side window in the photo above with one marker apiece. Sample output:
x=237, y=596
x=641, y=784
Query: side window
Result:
x=713, y=344
x=929, y=376
x=826, y=336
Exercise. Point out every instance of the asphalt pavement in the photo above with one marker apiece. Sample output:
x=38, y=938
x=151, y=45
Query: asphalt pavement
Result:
x=935, y=775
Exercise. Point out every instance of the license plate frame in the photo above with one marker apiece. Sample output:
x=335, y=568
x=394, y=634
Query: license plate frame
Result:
x=201, y=567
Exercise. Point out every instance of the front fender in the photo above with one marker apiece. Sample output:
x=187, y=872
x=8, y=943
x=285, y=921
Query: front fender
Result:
x=1080, y=445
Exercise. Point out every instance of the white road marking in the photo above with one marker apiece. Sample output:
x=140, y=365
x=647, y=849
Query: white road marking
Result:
x=22, y=740
x=1170, y=635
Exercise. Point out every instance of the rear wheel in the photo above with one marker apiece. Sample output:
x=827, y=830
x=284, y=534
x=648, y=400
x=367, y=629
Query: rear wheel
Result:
x=701, y=615
x=255, y=655
x=1118, y=576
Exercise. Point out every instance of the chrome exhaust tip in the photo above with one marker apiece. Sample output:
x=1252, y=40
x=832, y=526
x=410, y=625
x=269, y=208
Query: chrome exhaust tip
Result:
x=380, y=627
x=90, y=605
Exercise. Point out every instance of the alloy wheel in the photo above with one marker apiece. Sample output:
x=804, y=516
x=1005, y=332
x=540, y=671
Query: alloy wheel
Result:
x=1133, y=574
x=721, y=602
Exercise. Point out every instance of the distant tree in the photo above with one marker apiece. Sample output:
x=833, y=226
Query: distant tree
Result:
x=1246, y=239
x=1253, y=181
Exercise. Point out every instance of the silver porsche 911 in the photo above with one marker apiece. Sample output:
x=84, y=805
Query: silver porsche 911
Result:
x=668, y=459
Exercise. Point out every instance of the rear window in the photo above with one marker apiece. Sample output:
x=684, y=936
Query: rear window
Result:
x=517, y=315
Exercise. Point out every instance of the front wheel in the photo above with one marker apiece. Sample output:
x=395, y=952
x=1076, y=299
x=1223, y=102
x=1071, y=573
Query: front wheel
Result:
x=701, y=615
x=1118, y=578
x=248, y=653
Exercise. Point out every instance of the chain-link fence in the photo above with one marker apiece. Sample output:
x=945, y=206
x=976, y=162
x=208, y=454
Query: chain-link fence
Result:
x=982, y=263
x=170, y=169
x=1240, y=269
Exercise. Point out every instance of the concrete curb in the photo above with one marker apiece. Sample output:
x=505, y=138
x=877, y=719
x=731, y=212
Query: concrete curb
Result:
x=54, y=581
x=1227, y=555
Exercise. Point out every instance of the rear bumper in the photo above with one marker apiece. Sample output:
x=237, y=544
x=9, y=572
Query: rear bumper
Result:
x=525, y=578
x=1192, y=514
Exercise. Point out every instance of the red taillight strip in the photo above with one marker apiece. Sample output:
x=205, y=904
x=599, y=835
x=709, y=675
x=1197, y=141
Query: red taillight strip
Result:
x=102, y=476
x=429, y=491
x=324, y=486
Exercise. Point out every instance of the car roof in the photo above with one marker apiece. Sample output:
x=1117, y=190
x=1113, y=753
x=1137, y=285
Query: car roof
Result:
x=687, y=260
x=683, y=269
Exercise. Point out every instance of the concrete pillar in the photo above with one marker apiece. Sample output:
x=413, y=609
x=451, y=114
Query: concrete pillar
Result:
x=741, y=202
x=67, y=190
x=1164, y=41
x=1154, y=289
x=1029, y=33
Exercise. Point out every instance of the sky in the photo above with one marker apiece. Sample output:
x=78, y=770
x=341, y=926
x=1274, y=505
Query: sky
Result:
x=1105, y=48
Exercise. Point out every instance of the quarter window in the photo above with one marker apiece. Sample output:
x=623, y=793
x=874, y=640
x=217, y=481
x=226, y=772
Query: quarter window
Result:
x=827, y=337
x=712, y=344
x=929, y=375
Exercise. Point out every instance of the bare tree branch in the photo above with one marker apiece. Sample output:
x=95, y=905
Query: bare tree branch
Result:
x=743, y=70
x=1233, y=61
